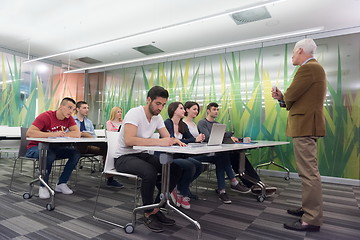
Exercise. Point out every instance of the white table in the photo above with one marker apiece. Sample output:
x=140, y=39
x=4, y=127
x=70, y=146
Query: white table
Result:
x=9, y=133
x=166, y=158
x=44, y=144
x=10, y=139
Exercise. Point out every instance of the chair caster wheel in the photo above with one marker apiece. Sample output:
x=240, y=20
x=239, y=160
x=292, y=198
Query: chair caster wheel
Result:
x=50, y=207
x=287, y=178
x=129, y=228
x=260, y=198
x=26, y=196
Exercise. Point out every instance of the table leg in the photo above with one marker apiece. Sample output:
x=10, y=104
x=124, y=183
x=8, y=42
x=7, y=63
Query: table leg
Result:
x=242, y=174
x=287, y=176
x=166, y=160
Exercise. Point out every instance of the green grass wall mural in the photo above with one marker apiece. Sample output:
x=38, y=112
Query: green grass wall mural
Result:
x=240, y=82
x=25, y=93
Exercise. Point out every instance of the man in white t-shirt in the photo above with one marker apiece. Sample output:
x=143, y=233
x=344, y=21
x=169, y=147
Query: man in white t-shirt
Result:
x=138, y=126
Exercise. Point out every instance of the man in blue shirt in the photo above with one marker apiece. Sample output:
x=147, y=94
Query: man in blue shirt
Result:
x=87, y=130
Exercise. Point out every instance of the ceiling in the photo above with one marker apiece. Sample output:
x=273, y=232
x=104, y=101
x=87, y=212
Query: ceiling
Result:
x=40, y=27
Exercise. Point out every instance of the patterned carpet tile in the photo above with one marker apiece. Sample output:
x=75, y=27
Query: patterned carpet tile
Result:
x=245, y=218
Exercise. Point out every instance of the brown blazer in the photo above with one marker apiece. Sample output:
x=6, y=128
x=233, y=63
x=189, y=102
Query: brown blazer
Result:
x=304, y=100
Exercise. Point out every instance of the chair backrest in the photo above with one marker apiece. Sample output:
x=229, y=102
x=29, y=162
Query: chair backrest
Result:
x=24, y=143
x=112, y=144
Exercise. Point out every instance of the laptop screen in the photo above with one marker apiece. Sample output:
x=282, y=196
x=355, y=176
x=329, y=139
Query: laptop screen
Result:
x=217, y=134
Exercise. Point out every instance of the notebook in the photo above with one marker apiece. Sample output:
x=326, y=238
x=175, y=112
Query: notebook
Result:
x=216, y=136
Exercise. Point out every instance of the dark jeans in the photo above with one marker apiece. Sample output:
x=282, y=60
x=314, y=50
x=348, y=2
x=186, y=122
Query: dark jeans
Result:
x=191, y=170
x=249, y=170
x=223, y=165
x=147, y=167
x=58, y=152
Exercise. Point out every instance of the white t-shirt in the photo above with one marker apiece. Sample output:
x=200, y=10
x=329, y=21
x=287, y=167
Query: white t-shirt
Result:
x=193, y=129
x=145, y=129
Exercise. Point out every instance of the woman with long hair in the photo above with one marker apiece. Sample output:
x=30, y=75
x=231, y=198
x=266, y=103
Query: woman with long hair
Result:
x=115, y=120
x=192, y=110
x=191, y=167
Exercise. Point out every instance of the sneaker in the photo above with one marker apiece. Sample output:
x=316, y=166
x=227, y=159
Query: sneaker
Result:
x=240, y=188
x=153, y=223
x=223, y=197
x=164, y=220
x=63, y=188
x=184, y=202
x=173, y=196
x=111, y=182
x=269, y=191
x=44, y=193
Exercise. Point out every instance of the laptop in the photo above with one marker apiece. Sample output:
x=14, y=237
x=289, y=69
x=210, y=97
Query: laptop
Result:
x=216, y=136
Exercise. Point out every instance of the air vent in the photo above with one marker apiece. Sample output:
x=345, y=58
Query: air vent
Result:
x=252, y=15
x=148, y=49
x=88, y=60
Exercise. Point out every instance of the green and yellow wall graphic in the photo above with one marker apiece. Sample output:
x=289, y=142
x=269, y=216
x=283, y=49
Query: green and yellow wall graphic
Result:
x=240, y=82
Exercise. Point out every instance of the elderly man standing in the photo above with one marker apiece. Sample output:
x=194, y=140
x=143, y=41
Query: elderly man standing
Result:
x=304, y=99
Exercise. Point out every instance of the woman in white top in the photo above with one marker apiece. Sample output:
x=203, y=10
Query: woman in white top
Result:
x=191, y=111
x=115, y=120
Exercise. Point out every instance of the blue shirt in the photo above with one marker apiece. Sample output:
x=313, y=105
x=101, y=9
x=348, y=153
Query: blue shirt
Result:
x=89, y=127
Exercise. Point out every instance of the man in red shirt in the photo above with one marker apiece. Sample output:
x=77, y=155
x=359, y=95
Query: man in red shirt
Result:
x=59, y=123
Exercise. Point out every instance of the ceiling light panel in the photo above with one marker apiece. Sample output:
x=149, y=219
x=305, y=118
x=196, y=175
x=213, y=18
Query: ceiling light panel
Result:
x=148, y=49
x=251, y=15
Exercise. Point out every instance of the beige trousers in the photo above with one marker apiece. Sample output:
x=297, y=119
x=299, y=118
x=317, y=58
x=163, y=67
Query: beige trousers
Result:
x=307, y=165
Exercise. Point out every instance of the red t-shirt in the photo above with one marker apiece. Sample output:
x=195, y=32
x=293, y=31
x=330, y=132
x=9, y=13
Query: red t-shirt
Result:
x=48, y=122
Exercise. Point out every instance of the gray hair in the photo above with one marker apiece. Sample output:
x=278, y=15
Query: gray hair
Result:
x=307, y=45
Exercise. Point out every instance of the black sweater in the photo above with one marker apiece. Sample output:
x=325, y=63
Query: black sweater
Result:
x=187, y=137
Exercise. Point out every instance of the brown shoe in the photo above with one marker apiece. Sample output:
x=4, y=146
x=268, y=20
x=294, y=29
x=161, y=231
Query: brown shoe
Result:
x=297, y=226
x=296, y=212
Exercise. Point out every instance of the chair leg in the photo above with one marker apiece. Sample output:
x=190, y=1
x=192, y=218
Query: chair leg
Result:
x=12, y=178
x=97, y=196
x=104, y=220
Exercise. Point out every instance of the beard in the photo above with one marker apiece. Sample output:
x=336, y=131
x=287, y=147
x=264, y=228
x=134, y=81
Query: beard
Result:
x=153, y=111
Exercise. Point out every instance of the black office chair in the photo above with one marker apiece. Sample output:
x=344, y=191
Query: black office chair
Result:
x=21, y=157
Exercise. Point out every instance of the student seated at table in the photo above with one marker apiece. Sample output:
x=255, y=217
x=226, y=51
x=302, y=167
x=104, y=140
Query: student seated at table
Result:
x=115, y=120
x=205, y=126
x=138, y=126
x=87, y=130
x=191, y=167
x=59, y=123
x=221, y=160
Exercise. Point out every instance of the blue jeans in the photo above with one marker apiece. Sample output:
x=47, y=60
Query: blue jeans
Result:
x=191, y=170
x=57, y=152
x=222, y=163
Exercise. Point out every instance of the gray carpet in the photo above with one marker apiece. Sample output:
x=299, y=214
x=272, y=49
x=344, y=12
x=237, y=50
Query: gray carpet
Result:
x=245, y=218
